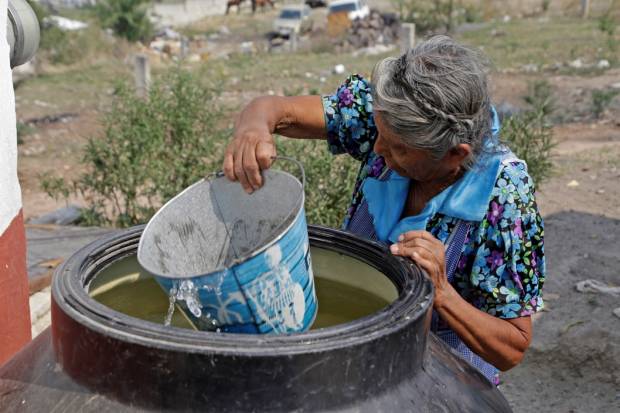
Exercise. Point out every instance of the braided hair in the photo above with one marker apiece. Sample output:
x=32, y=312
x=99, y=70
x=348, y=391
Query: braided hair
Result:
x=435, y=96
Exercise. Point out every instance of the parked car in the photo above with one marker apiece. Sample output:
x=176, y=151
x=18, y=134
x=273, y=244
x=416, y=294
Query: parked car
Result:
x=355, y=9
x=293, y=19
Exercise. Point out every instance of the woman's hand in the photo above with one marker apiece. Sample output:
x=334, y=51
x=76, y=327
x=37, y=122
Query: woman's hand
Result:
x=429, y=253
x=498, y=341
x=252, y=148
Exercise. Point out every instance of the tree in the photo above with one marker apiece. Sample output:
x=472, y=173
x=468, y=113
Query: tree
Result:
x=128, y=18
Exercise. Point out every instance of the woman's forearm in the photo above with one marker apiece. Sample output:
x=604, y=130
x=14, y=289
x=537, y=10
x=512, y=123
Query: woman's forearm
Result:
x=291, y=116
x=501, y=342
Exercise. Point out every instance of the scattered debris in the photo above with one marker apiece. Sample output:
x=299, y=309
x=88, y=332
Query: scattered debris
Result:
x=600, y=191
x=42, y=104
x=576, y=64
x=247, y=48
x=572, y=184
x=168, y=33
x=63, y=216
x=617, y=312
x=615, y=85
x=339, y=69
x=530, y=68
x=373, y=50
x=603, y=64
x=595, y=286
x=195, y=58
x=50, y=119
x=375, y=29
x=568, y=326
x=64, y=24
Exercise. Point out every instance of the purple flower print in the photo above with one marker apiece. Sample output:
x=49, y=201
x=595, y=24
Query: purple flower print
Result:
x=495, y=259
x=495, y=213
x=345, y=97
x=518, y=231
x=376, y=167
x=517, y=280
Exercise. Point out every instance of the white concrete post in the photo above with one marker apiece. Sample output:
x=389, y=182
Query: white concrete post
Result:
x=142, y=72
x=293, y=41
x=407, y=36
x=14, y=309
x=585, y=8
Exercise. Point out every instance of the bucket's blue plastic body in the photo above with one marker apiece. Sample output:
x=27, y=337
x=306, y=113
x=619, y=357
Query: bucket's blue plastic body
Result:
x=235, y=262
x=272, y=292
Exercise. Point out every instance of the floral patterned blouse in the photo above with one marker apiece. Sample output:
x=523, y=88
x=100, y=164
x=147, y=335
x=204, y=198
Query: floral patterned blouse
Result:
x=502, y=268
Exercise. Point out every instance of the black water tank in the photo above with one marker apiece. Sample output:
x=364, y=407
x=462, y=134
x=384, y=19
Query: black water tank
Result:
x=95, y=359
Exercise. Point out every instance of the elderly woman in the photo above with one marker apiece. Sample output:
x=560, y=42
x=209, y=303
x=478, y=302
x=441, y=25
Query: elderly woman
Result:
x=435, y=184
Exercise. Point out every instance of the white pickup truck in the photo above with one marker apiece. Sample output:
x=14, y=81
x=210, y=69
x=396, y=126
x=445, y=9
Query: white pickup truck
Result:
x=355, y=9
x=293, y=19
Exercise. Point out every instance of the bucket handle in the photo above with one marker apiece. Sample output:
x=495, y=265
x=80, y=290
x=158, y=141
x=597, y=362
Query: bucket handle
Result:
x=219, y=174
x=299, y=164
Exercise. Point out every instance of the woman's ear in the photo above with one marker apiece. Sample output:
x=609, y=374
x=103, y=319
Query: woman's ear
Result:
x=457, y=155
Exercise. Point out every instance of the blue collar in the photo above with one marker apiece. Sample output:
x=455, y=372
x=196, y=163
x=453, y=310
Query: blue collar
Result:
x=467, y=199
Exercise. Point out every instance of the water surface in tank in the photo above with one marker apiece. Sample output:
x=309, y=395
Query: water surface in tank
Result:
x=347, y=289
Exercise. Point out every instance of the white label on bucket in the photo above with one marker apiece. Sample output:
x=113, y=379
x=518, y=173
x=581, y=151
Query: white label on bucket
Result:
x=278, y=300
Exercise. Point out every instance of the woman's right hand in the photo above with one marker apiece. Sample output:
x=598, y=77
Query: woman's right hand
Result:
x=253, y=147
x=251, y=150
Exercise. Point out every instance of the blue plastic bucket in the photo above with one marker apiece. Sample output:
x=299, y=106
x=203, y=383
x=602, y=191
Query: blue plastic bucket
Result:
x=234, y=261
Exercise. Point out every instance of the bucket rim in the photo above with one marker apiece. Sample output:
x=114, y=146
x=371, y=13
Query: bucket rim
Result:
x=299, y=208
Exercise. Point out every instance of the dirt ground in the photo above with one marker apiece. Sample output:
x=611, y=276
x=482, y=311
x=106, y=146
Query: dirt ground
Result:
x=573, y=364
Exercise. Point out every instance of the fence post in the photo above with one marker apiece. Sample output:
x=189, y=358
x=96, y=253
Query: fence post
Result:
x=293, y=41
x=585, y=8
x=142, y=72
x=407, y=36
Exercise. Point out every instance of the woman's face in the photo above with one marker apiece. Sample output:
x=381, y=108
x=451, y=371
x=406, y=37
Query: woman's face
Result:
x=416, y=164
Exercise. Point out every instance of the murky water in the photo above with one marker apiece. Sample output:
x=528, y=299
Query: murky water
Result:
x=347, y=289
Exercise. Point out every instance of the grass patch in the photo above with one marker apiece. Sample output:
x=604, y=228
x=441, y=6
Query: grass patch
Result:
x=531, y=41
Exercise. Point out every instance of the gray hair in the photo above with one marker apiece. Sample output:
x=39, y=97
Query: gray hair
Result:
x=435, y=96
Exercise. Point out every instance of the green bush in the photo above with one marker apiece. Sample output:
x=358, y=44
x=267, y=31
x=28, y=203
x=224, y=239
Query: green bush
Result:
x=330, y=179
x=601, y=100
x=128, y=18
x=23, y=130
x=69, y=47
x=150, y=150
x=530, y=135
x=436, y=15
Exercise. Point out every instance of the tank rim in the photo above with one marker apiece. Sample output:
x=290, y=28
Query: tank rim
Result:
x=71, y=280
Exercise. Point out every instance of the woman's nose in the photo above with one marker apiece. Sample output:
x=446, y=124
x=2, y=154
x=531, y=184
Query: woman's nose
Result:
x=379, y=147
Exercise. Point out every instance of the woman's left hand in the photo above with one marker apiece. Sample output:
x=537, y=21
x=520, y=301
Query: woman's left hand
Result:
x=429, y=253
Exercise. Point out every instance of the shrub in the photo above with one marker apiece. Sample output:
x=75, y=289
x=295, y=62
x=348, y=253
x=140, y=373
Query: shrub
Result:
x=150, y=150
x=330, y=179
x=128, y=18
x=436, y=15
x=530, y=134
x=69, y=47
x=601, y=100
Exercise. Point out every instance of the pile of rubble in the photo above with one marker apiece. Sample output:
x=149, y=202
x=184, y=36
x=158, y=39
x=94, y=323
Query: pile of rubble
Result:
x=375, y=29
